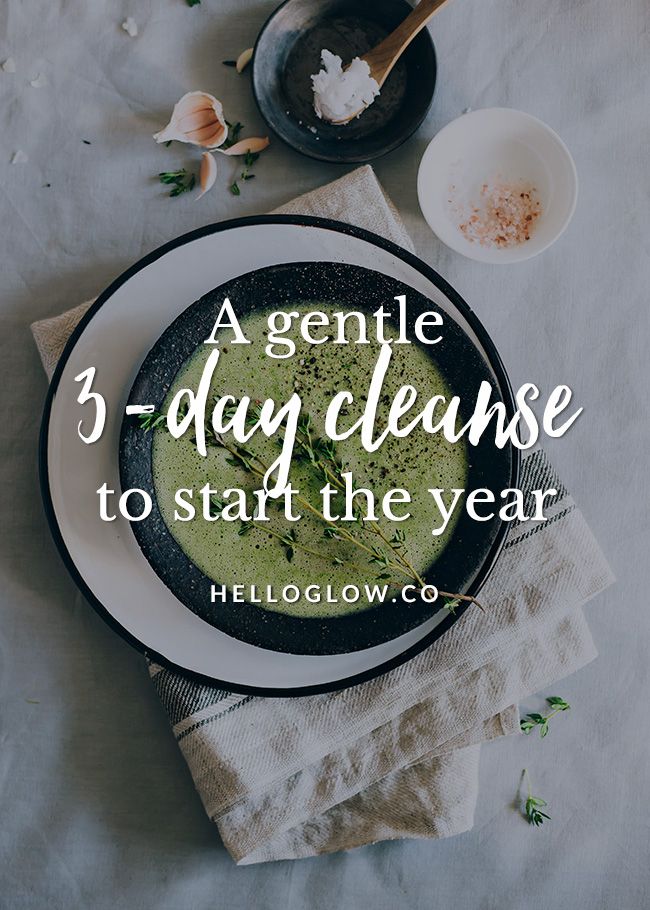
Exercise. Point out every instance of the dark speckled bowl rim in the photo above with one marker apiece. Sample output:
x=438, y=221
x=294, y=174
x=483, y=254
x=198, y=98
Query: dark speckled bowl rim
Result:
x=304, y=221
x=349, y=157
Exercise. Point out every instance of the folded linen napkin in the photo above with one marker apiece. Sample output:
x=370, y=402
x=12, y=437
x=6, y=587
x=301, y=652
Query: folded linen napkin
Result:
x=397, y=756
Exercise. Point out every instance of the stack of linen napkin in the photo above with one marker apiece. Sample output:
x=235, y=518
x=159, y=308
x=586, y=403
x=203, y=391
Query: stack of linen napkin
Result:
x=396, y=757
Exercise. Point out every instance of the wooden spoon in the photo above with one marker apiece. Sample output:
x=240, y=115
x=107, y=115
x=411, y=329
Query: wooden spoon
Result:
x=382, y=59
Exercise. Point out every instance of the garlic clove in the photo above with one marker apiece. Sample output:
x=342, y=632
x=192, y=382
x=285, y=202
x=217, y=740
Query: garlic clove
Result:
x=203, y=135
x=244, y=59
x=207, y=173
x=214, y=141
x=254, y=144
x=197, y=119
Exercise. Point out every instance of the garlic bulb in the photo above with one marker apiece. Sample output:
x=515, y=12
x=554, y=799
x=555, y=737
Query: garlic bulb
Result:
x=207, y=173
x=198, y=119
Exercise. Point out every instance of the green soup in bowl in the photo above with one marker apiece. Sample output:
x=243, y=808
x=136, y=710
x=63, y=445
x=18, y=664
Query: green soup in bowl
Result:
x=257, y=557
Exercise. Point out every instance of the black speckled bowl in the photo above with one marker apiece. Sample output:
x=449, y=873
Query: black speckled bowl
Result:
x=471, y=547
x=287, y=54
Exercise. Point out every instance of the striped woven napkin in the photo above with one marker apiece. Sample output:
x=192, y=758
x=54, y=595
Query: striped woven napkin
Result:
x=395, y=757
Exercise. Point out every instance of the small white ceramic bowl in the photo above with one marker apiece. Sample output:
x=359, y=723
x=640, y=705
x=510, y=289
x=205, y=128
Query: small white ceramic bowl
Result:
x=503, y=145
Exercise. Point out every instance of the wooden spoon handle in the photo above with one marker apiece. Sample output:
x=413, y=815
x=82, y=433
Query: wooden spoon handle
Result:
x=382, y=59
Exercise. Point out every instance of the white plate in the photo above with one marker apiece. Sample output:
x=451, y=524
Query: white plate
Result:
x=114, y=337
x=496, y=144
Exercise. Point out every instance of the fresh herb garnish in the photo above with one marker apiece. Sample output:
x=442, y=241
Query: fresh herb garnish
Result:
x=151, y=421
x=234, y=130
x=180, y=181
x=217, y=505
x=193, y=2
x=534, y=805
x=289, y=543
x=541, y=720
x=389, y=554
x=249, y=160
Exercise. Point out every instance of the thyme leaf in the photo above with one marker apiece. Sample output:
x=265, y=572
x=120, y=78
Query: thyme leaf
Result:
x=451, y=605
x=234, y=129
x=533, y=806
x=151, y=421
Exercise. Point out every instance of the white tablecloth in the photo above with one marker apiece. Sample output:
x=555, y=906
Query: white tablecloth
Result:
x=97, y=805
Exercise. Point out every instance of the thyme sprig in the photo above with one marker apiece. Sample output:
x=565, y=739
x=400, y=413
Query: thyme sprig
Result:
x=249, y=160
x=534, y=805
x=151, y=421
x=541, y=720
x=234, y=132
x=181, y=181
x=387, y=553
x=321, y=453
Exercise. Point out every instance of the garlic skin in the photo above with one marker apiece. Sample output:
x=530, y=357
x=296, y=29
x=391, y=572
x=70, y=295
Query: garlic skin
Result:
x=39, y=81
x=198, y=120
x=244, y=59
x=207, y=173
x=130, y=26
x=254, y=144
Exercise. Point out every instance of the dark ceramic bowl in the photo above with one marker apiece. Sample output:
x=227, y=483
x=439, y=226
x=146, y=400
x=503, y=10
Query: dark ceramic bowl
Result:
x=287, y=54
x=468, y=551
